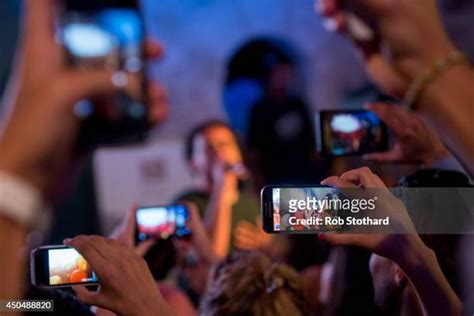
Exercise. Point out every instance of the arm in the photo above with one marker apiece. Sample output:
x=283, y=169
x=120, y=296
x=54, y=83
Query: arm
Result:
x=36, y=141
x=407, y=250
x=218, y=216
x=424, y=273
x=448, y=104
x=413, y=38
x=12, y=238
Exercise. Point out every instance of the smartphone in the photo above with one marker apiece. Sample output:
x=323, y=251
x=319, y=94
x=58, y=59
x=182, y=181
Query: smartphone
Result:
x=350, y=132
x=296, y=209
x=108, y=34
x=60, y=266
x=162, y=222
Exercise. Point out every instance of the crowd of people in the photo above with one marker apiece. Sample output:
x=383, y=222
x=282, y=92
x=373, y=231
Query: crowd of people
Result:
x=229, y=265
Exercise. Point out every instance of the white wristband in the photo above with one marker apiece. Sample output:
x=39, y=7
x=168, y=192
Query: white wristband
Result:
x=23, y=203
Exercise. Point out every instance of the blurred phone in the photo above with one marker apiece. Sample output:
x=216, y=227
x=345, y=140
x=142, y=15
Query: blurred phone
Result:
x=108, y=34
x=162, y=222
x=350, y=132
x=294, y=209
x=60, y=266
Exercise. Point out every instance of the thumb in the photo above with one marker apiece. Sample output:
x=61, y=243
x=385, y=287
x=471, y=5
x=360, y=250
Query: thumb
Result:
x=142, y=248
x=388, y=156
x=87, y=83
x=387, y=78
x=86, y=296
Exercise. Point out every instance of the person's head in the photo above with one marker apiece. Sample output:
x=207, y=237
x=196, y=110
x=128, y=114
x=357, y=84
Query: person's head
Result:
x=210, y=142
x=248, y=283
x=281, y=79
x=280, y=74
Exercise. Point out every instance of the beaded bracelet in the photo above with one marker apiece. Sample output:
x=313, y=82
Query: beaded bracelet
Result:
x=453, y=58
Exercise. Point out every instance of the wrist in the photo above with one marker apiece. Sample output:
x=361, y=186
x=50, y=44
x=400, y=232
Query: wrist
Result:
x=445, y=87
x=414, y=255
x=18, y=169
x=417, y=64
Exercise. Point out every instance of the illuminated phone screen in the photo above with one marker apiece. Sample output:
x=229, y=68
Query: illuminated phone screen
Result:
x=298, y=209
x=161, y=222
x=351, y=132
x=66, y=266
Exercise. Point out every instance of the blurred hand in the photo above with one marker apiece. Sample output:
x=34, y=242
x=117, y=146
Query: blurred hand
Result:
x=225, y=181
x=38, y=139
x=411, y=38
x=249, y=236
x=199, y=239
x=125, y=234
x=387, y=245
x=126, y=284
x=416, y=141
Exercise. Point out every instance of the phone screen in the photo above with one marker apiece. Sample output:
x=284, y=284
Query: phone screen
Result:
x=161, y=222
x=350, y=132
x=61, y=266
x=297, y=209
x=108, y=34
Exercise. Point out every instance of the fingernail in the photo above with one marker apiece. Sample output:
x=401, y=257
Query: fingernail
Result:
x=321, y=236
x=120, y=79
x=66, y=241
x=330, y=24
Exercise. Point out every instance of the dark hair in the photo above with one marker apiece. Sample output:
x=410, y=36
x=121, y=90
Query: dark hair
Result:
x=248, y=283
x=189, y=146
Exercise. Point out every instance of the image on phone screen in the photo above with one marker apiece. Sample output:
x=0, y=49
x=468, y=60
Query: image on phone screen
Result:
x=295, y=209
x=108, y=35
x=162, y=222
x=59, y=266
x=350, y=132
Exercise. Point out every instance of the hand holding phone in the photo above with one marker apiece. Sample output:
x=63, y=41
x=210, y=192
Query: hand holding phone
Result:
x=108, y=35
x=60, y=266
x=127, y=286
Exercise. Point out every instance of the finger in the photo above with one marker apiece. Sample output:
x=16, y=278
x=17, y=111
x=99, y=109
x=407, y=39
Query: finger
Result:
x=326, y=7
x=335, y=23
x=142, y=248
x=159, y=107
x=244, y=233
x=88, y=297
x=153, y=49
x=243, y=224
x=395, y=117
x=364, y=176
x=39, y=21
x=86, y=83
x=89, y=252
x=339, y=239
x=384, y=74
x=245, y=243
x=131, y=223
x=388, y=156
x=337, y=182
